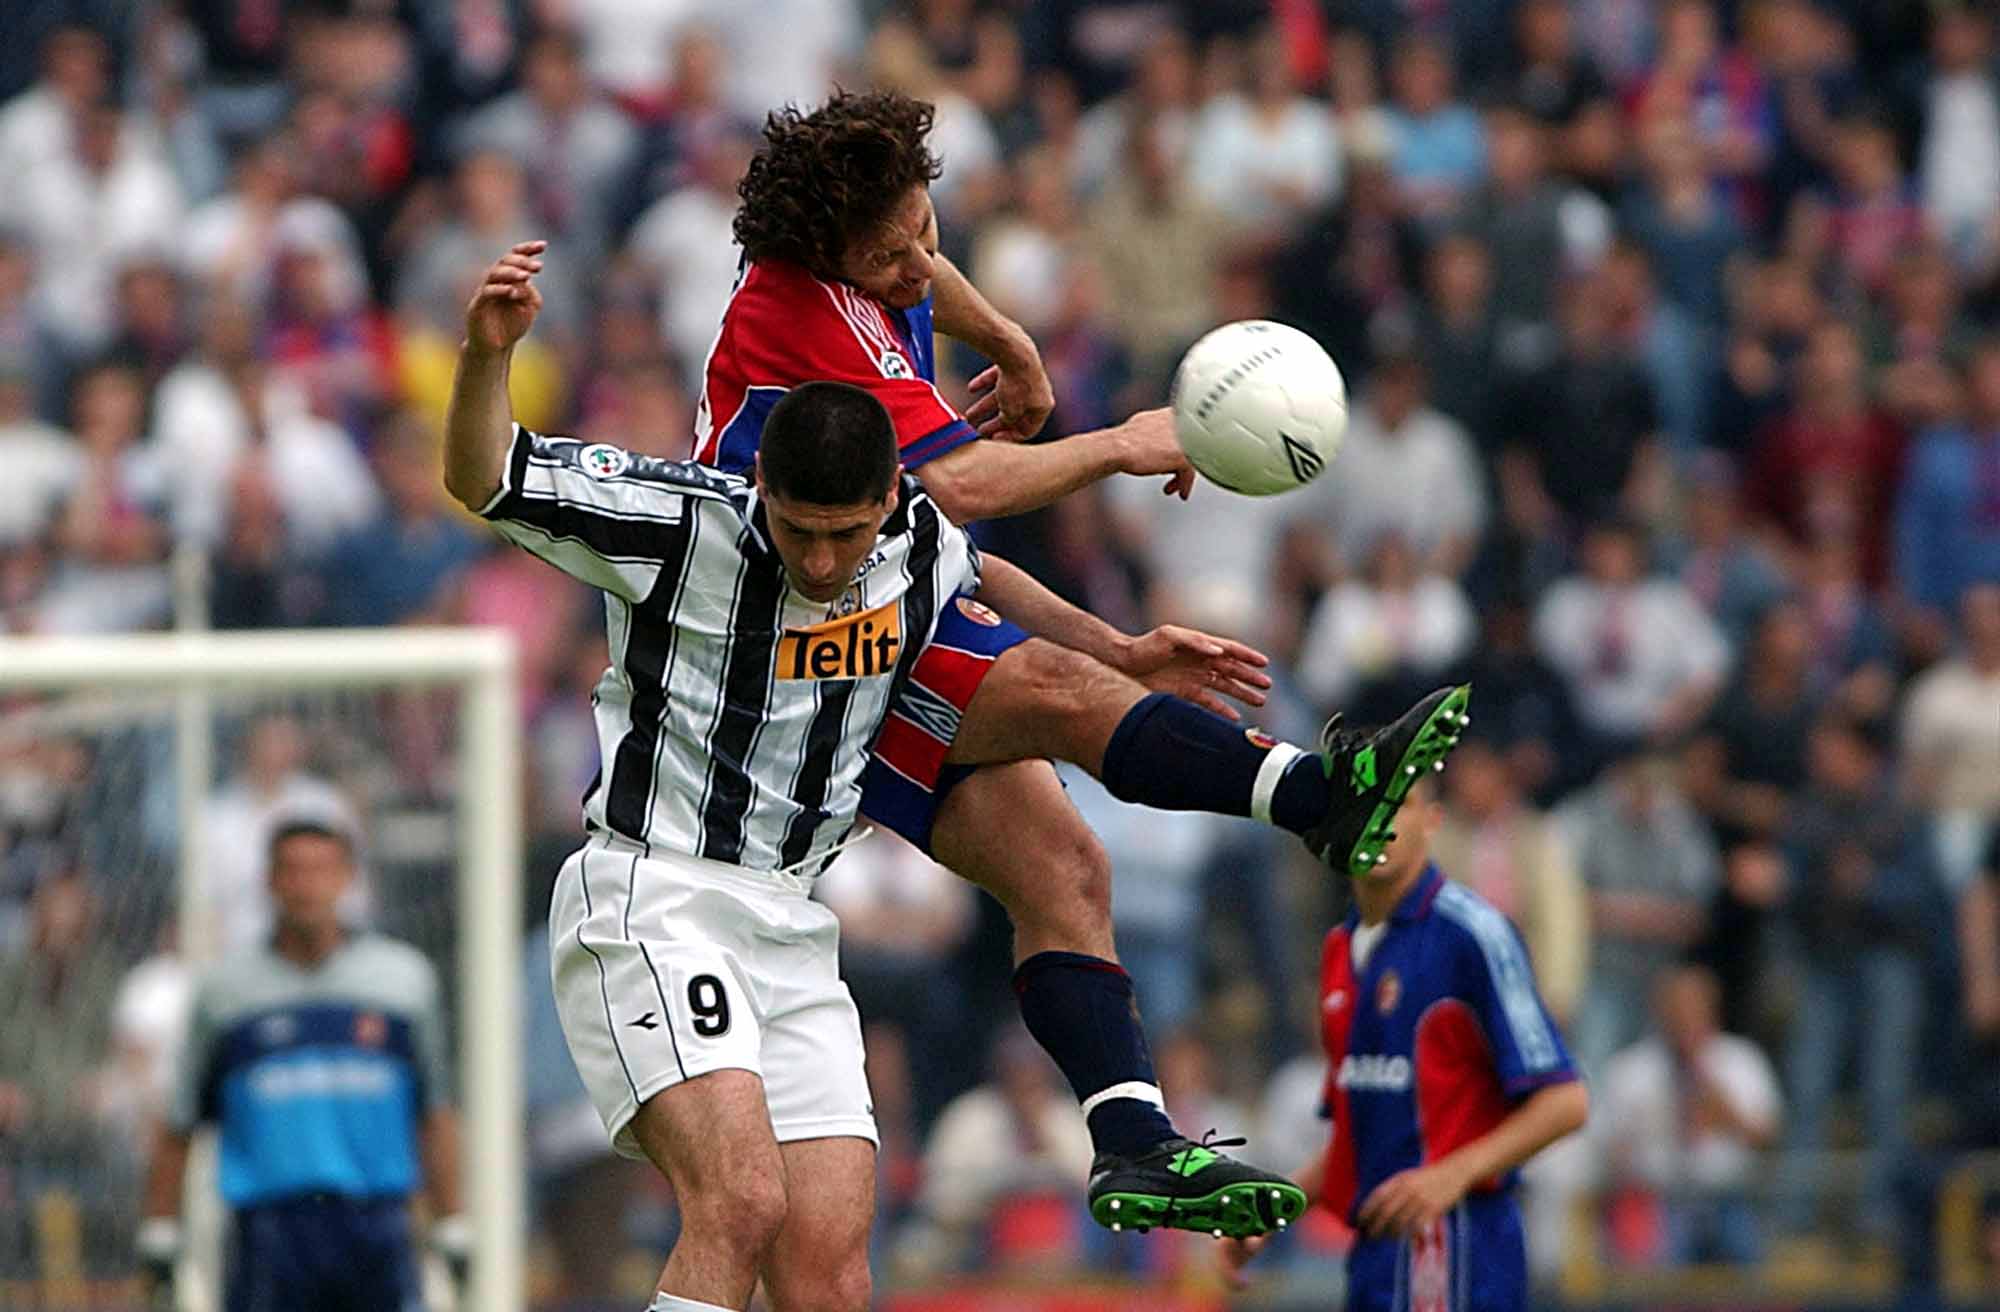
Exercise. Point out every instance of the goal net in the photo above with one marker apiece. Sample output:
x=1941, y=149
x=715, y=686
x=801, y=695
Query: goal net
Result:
x=140, y=778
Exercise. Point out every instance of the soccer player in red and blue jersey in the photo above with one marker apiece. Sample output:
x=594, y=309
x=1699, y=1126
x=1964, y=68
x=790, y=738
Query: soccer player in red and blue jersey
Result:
x=1446, y=1074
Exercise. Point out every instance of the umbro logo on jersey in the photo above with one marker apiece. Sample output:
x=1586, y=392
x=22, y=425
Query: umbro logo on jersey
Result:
x=856, y=646
x=649, y=1021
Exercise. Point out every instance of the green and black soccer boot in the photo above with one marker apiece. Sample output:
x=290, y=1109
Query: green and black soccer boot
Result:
x=1372, y=774
x=1184, y=1185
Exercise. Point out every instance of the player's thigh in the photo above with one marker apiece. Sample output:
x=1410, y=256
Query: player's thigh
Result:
x=649, y=987
x=814, y=1064
x=1012, y=830
x=819, y=1262
x=1040, y=699
x=711, y=1137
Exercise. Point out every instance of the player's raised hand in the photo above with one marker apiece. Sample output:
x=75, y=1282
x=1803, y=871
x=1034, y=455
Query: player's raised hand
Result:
x=1011, y=404
x=1235, y=1254
x=1198, y=667
x=507, y=301
x=1150, y=447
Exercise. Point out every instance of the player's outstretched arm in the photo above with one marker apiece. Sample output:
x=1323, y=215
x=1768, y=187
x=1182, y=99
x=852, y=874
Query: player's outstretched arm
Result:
x=1408, y=1202
x=479, y=420
x=985, y=480
x=1187, y=663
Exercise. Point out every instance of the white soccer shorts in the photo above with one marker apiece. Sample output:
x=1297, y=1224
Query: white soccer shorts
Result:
x=668, y=967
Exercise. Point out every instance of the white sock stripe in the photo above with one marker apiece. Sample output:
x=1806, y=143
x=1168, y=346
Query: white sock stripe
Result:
x=1276, y=762
x=665, y=1302
x=1135, y=1089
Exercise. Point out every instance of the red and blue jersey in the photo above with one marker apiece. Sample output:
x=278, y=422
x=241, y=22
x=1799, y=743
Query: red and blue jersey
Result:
x=1432, y=1042
x=784, y=327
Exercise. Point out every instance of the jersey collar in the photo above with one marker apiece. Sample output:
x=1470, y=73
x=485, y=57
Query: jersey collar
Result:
x=1415, y=904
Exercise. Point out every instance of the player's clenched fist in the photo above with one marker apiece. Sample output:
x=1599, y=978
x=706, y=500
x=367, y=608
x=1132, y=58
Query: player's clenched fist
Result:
x=507, y=300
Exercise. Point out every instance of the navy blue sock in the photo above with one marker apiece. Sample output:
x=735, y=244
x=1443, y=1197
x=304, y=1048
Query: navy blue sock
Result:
x=1172, y=754
x=1081, y=1010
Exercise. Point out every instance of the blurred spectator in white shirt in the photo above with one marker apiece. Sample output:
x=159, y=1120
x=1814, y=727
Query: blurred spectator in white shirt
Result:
x=212, y=424
x=686, y=242
x=1023, y=258
x=1683, y=1116
x=489, y=213
x=1960, y=163
x=902, y=916
x=234, y=242
x=41, y=460
x=1391, y=622
x=784, y=51
x=1404, y=468
x=574, y=146
x=1650, y=870
x=111, y=535
x=1161, y=97
x=36, y=125
x=1642, y=658
x=1270, y=156
x=148, y=1020
x=968, y=153
x=1158, y=859
x=626, y=42
x=271, y=785
x=87, y=209
x=1951, y=736
x=1015, y=1140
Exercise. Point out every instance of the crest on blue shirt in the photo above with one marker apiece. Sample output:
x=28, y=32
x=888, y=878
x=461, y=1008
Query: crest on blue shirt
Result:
x=1388, y=991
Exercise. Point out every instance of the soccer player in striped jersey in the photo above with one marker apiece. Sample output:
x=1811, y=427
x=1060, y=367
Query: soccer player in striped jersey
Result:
x=1445, y=1074
x=761, y=633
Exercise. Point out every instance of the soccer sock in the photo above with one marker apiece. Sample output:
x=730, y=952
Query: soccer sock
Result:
x=1081, y=1010
x=1172, y=754
x=665, y=1302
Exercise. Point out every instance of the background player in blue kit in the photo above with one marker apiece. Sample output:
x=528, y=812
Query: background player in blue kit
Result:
x=321, y=1059
x=1445, y=1075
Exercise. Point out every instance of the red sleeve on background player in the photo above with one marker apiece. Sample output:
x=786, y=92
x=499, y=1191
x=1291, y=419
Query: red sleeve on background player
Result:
x=785, y=327
x=1336, y=1016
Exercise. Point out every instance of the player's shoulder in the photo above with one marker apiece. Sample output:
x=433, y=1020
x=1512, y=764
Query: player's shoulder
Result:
x=1472, y=921
x=619, y=467
x=392, y=960
x=779, y=287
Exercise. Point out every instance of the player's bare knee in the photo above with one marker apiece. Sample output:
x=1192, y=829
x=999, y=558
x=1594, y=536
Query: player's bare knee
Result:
x=852, y=1288
x=742, y=1214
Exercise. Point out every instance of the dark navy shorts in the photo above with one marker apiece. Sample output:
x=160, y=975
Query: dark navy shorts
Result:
x=323, y=1253
x=1473, y=1260
x=906, y=779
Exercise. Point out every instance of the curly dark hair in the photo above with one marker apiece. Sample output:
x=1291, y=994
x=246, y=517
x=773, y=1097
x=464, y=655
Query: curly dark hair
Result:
x=824, y=178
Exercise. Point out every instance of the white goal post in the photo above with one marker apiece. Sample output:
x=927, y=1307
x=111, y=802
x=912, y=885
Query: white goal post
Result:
x=480, y=664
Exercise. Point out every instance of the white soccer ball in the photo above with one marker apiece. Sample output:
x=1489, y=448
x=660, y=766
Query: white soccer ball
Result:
x=1259, y=408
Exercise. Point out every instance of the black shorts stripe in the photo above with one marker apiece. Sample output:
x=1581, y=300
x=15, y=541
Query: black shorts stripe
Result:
x=755, y=623
x=650, y=636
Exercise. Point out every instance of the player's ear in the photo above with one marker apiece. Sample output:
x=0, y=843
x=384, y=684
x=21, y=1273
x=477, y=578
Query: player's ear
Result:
x=894, y=497
x=757, y=472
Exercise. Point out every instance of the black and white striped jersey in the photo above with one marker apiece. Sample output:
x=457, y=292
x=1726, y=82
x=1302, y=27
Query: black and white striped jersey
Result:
x=737, y=716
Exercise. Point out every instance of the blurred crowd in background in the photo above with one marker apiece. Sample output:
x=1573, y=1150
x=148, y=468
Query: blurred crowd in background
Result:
x=1672, y=332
